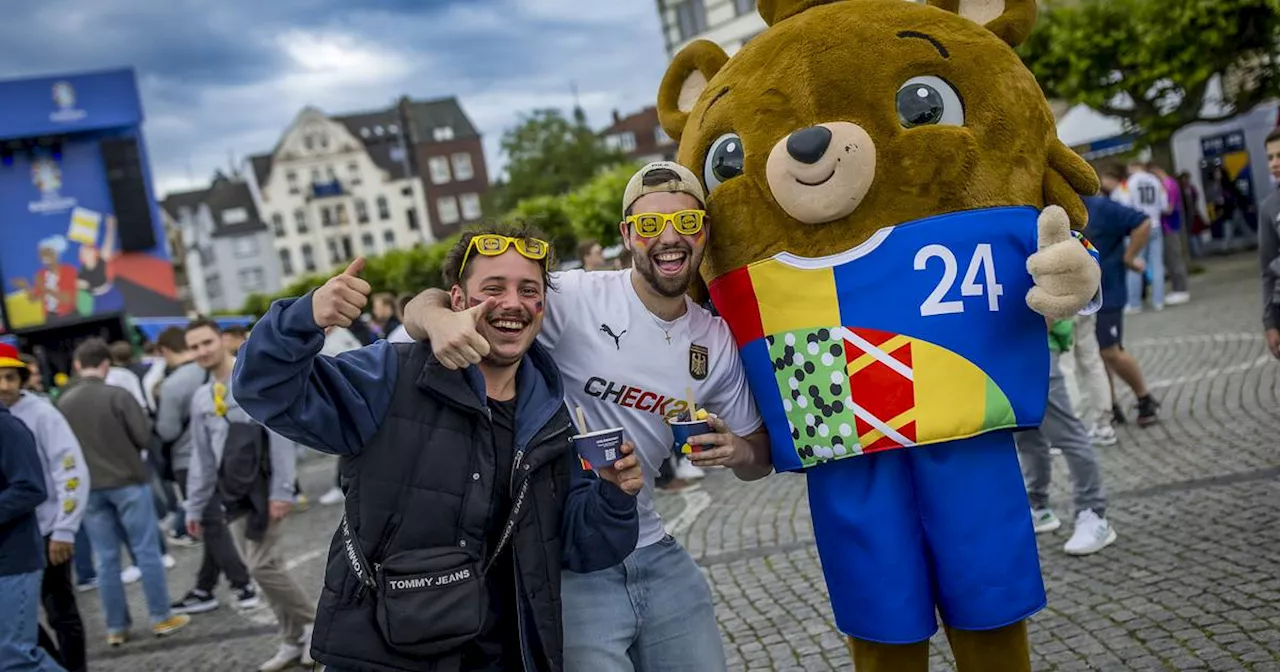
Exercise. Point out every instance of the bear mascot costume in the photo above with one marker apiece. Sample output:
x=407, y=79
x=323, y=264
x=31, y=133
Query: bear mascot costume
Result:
x=892, y=222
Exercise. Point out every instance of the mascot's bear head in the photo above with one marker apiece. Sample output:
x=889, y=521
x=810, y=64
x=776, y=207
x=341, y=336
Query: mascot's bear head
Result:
x=849, y=116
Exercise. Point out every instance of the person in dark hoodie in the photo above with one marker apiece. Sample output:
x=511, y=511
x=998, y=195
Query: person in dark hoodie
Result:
x=464, y=499
x=22, y=558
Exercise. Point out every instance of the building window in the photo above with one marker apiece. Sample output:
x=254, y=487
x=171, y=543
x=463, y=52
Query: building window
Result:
x=342, y=213
x=235, y=216
x=213, y=286
x=245, y=246
x=277, y=224
x=324, y=140
x=623, y=142
x=384, y=211
x=447, y=208
x=470, y=206
x=347, y=251
x=412, y=216
x=308, y=258
x=462, y=169
x=328, y=172
x=326, y=217
x=251, y=279
x=353, y=169
x=366, y=242
x=300, y=220
x=308, y=141
x=744, y=6
x=286, y=261
x=315, y=176
x=292, y=178
x=334, y=256
x=362, y=211
x=439, y=167
x=389, y=239
x=442, y=133
x=692, y=18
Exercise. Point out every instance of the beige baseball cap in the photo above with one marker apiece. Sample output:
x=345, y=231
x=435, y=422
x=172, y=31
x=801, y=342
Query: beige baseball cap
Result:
x=662, y=176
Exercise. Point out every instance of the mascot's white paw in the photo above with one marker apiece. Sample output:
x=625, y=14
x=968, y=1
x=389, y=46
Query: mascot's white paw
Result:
x=1065, y=274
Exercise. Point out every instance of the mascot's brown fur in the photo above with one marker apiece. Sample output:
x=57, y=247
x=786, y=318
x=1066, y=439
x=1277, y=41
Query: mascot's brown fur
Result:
x=808, y=143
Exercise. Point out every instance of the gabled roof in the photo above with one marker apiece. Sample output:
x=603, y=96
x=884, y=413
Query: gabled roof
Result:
x=223, y=194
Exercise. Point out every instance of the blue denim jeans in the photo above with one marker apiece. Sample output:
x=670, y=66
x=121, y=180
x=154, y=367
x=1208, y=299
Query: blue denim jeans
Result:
x=19, y=650
x=652, y=613
x=1153, y=254
x=129, y=510
x=83, y=558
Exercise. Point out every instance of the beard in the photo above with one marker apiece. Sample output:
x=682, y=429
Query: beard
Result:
x=670, y=287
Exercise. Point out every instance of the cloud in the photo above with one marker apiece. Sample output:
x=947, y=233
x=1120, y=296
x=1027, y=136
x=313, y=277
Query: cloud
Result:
x=228, y=77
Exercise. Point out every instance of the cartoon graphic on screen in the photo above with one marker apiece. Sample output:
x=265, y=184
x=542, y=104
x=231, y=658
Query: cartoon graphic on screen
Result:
x=54, y=287
x=98, y=294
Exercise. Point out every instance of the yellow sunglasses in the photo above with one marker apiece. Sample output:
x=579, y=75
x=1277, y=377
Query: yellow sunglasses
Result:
x=652, y=224
x=492, y=245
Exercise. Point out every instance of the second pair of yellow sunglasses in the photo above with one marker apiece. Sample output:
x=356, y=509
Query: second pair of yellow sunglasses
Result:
x=652, y=224
x=492, y=245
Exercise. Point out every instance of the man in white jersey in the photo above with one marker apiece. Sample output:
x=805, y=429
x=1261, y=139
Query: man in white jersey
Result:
x=628, y=344
x=1146, y=194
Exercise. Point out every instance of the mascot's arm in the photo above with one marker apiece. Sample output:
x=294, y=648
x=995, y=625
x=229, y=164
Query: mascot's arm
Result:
x=1066, y=276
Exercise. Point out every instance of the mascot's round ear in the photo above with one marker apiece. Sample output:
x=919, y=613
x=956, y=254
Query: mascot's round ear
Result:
x=686, y=79
x=773, y=11
x=1010, y=20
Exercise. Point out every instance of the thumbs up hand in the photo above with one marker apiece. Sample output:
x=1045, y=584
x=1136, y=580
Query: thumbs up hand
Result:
x=1066, y=276
x=341, y=300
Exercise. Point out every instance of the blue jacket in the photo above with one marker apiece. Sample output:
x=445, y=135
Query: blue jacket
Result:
x=22, y=491
x=337, y=404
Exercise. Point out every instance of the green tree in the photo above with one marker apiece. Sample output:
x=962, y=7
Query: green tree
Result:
x=549, y=155
x=595, y=208
x=1150, y=62
x=548, y=213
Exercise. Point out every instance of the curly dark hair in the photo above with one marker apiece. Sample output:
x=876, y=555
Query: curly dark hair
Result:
x=452, y=269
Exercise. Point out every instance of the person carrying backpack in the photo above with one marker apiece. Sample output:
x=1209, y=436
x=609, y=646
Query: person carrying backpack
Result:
x=247, y=471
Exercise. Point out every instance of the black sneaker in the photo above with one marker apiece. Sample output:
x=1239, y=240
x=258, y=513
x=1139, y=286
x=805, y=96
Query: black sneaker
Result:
x=195, y=602
x=246, y=598
x=1148, y=408
x=1117, y=415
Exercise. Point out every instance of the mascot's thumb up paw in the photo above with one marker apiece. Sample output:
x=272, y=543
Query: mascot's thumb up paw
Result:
x=1066, y=276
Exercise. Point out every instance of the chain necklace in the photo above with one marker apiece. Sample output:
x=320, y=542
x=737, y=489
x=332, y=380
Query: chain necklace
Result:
x=659, y=322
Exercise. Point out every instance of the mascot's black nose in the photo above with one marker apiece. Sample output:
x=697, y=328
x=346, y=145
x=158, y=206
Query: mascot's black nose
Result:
x=808, y=145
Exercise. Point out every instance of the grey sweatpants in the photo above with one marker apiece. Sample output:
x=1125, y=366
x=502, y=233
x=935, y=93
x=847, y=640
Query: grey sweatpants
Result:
x=1063, y=430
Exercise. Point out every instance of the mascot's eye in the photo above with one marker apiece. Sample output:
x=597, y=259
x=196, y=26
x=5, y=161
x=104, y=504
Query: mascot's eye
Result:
x=724, y=161
x=927, y=101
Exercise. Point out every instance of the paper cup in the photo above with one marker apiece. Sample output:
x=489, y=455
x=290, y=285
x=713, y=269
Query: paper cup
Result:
x=599, y=449
x=683, y=431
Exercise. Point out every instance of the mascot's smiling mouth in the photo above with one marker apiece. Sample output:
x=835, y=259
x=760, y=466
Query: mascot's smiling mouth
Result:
x=820, y=182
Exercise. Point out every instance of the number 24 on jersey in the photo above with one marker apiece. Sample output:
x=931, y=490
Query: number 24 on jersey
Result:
x=982, y=263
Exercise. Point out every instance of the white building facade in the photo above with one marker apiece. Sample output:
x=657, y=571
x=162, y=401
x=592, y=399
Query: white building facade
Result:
x=728, y=23
x=329, y=195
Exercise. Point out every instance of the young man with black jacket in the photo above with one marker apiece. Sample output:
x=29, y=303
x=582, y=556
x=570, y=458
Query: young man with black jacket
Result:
x=464, y=499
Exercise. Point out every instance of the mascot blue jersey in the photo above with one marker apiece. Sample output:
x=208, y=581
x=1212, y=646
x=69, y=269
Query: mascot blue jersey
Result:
x=920, y=335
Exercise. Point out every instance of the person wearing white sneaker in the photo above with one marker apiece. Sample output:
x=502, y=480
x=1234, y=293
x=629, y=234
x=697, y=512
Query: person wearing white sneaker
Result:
x=1062, y=429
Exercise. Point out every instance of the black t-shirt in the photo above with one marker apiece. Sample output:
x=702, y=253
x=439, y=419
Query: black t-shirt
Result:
x=497, y=649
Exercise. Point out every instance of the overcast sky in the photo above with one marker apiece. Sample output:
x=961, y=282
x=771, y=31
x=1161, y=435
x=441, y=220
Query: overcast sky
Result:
x=227, y=76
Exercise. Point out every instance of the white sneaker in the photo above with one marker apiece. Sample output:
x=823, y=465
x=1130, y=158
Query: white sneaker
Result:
x=285, y=657
x=1177, y=298
x=305, y=644
x=131, y=574
x=1092, y=534
x=334, y=496
x=686, y=471
x=168, y=561
x=1103, y=435
x=1045, y=520
x=1131, y=310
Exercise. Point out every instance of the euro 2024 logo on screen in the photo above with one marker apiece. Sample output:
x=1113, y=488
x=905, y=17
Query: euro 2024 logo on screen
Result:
x=64, y=96
x=46, y=175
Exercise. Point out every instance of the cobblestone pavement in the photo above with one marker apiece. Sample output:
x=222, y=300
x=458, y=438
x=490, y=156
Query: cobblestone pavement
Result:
x=1191, y=584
